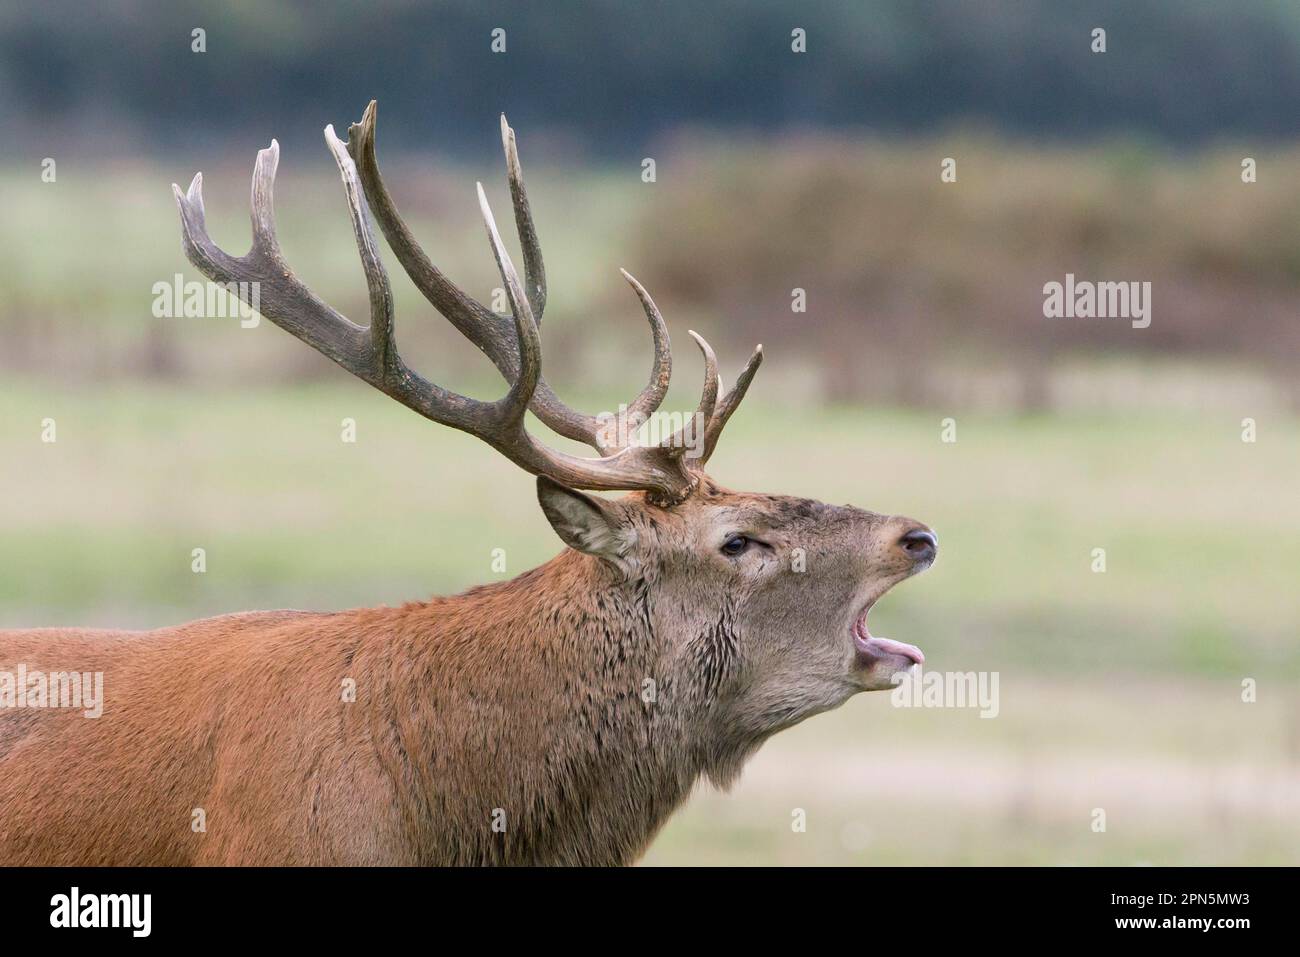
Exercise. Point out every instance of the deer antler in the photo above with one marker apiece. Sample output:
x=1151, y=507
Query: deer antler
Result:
x=512, y=343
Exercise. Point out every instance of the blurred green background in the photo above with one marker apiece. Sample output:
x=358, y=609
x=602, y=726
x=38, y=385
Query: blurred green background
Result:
x=775, y=171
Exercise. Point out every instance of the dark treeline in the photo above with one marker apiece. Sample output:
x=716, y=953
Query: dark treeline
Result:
x=613, y=74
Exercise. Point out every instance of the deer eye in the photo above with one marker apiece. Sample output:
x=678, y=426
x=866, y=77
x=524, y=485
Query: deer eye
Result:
x=734, y=545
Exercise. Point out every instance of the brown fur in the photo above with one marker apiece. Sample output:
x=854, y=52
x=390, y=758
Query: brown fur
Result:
x=529, y=699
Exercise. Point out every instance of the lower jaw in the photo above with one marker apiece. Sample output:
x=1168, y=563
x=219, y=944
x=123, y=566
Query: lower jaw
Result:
x=882, y=674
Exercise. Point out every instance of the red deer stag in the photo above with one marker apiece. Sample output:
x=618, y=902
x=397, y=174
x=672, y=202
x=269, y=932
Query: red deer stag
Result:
x=558, y=718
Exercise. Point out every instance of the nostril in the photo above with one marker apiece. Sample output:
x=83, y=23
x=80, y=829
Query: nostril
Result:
x=920, y=544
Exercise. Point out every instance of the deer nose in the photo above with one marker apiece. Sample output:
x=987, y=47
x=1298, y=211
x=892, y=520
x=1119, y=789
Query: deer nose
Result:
x=920, y=545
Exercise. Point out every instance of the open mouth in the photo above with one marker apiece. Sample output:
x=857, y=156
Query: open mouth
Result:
x=872, y=649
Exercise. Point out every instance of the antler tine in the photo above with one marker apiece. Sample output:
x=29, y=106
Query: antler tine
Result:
x=661, y=373
x=684, y=440
x=530, y=354
x=262, y=203
x=729, y=403
x=534, y=269
x=712, y=382
x=382, y=336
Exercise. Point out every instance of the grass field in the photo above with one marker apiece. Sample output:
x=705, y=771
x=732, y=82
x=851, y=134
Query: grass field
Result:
x=1119, y=691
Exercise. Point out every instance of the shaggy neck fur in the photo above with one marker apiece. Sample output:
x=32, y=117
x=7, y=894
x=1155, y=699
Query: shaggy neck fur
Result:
x=585, y=727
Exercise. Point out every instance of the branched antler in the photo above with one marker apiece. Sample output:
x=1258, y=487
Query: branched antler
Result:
x=666, y=470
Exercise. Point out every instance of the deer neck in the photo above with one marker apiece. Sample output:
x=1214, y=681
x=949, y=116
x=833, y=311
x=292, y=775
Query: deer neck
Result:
x=584, y=732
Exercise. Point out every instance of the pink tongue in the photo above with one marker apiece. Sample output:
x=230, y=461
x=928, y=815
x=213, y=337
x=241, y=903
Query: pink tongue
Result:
x=889, y=646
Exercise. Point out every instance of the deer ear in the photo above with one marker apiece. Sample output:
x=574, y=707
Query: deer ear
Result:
x=586, y=523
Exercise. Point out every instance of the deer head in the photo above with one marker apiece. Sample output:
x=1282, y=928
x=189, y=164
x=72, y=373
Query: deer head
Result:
x=758, y=603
